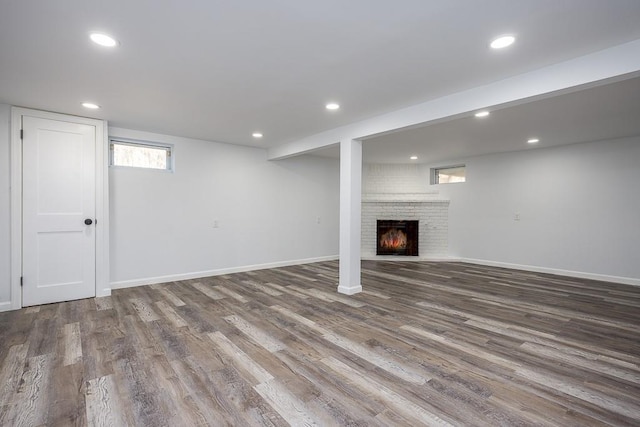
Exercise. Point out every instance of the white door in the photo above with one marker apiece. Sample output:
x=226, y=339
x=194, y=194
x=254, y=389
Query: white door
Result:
x=58, y=208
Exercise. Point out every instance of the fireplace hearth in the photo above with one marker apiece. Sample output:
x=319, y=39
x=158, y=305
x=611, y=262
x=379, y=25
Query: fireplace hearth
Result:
x=398, y=238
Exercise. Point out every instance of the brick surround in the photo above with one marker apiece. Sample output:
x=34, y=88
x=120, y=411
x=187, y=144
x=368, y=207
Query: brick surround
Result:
x=432, y=213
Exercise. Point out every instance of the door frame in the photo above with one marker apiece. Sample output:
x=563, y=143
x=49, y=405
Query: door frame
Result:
x=103, y=287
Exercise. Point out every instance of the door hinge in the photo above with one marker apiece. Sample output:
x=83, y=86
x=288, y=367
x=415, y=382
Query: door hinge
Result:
x=21, y=281
x=21, y=134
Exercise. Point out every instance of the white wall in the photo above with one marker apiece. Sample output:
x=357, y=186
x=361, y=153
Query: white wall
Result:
x=579, y=209
x=5, y=209
x=162, y=223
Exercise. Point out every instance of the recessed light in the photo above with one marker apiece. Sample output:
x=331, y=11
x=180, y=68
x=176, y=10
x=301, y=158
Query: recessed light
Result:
x=532, y=140
x=482, y=114
x=332, y=106
x=90, y=105
x=414, y=157
x=103, y=39
x=502, y=42
x=256, y=135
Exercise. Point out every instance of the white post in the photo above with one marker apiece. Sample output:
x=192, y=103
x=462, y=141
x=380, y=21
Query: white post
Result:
x=350, y=208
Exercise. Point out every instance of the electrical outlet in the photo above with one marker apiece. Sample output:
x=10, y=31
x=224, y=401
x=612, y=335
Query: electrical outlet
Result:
x=516, y=216
x=216, y=223
x=318, y=220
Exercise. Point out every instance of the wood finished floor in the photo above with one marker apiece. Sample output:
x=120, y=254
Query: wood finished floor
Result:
x=424, y=344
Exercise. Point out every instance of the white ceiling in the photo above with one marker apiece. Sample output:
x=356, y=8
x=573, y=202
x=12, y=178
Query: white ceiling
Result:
x=220, y=70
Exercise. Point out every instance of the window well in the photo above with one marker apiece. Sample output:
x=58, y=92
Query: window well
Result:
x=448, y=175
x=139, y=154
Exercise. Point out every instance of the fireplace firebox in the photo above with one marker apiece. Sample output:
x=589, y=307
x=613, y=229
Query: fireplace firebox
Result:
x=397, y=237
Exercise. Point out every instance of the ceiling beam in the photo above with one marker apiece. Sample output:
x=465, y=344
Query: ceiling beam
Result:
x=605, y=66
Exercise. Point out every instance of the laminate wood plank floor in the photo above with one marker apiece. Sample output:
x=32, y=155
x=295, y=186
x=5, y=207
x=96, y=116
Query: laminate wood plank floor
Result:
x=425, y=344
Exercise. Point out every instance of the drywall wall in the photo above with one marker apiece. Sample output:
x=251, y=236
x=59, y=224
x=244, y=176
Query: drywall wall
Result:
x=5, y=208
x=577, y=204
x=578, y=208
x=266, y=212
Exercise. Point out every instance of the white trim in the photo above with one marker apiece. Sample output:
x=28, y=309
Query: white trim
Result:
x=401, y=199
x=102, y=199
x=350, y=290
x=102, y=206
x=578, y=274
x=199, y=274
x=5, y=306
x=16, y=208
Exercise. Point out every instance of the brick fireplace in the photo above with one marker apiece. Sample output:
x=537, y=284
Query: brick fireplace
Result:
x=430, y=213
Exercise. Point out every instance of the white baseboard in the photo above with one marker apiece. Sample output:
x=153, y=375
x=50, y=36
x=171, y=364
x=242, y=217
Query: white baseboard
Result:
x=352, y=290
x=5, y=306
x=199, y=274
x=578, y=274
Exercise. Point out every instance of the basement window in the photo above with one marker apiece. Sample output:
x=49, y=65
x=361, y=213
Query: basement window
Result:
x=140, y=154
x=448, y=175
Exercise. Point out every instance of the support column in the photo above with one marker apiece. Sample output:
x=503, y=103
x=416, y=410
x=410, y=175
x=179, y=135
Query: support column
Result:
x=350, y=216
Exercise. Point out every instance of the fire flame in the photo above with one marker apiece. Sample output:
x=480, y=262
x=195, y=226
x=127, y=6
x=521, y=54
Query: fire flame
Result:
x=393, y=239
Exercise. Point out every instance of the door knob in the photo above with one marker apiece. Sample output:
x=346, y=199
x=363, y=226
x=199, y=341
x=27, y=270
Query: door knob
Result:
x=88, y=221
